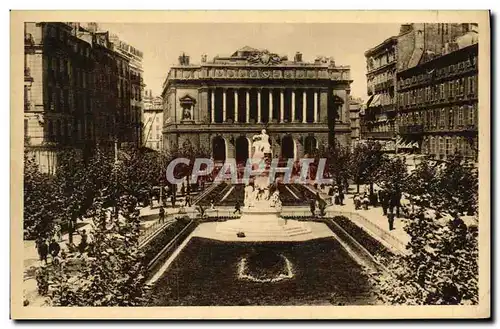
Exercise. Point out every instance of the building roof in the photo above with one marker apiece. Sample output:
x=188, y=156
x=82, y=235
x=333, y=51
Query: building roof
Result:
x=380, y=46
x=244, y=49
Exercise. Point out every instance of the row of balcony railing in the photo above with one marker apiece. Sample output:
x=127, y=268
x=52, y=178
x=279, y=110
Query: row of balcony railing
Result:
x=416, y=129
x=437, y=74
x=438, y=100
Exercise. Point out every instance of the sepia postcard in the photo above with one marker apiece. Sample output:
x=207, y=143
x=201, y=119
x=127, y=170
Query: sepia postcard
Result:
x=250, y=165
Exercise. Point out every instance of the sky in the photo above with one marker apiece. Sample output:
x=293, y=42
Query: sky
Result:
x=163, y=43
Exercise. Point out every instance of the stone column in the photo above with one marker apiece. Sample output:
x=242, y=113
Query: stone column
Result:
x=270, y=105
x=212, y=106
x=236, y=105
x=247, y=112
x=315, y=106
x=304, y=106
x=282, y=105
x=293, y=105
x=259, y=109
x=224, y=114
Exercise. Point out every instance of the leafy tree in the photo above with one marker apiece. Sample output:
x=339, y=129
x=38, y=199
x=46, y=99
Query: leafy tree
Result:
x=366, y=161
x=440, y=269
x=112, y=272
x=41, y=204
x=448, y=187
x=338, y=159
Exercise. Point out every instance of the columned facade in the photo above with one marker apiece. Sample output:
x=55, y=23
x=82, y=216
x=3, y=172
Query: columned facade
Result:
x=252, y=90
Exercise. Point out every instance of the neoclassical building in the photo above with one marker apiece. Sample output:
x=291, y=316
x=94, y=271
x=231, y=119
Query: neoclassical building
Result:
x=221, y=104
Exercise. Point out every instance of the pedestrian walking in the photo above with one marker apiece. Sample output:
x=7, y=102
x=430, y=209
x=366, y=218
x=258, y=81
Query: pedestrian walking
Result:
x=237, y=207
x=58, y=232
x=312, y=207
x=365, y=201
x=173, y=200
x=54, y=249
x=395, y=202
x=384, y=200
x=357, y=202
x=187, y=202
x=43, y=250
x=212, y=204
x=341, y=196
x=390, y=219
x=183, y=189
x=161, y=213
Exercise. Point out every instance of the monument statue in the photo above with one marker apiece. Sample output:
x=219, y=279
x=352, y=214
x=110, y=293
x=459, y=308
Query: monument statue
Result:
x=261, y=146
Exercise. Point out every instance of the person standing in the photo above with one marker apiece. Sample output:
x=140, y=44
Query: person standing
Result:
x=54, y=249
x=237, y=207
x=43, y=250
x=58, y=232
x=395, y=202
x=162, y=215
x=384, y=202
x=83, y=242
x=187, y=202
x=312, y=207
x=341, y=196
x=390, y=219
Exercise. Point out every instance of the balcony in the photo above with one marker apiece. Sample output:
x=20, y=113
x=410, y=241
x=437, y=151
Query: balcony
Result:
x=378, y=134
x=411, y=129
x=27, y=74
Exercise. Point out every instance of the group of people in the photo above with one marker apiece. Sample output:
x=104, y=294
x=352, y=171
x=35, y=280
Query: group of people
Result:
x=388, y=198
x=46, y=247
x=317, y=203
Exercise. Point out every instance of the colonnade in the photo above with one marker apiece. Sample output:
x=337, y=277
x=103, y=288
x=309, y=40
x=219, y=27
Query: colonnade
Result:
x=290, y=107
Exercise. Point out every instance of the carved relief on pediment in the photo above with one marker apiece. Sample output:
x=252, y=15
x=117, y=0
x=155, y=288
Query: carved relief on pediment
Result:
x=230, y=73
x=289, y=74
x=254, y=74
x=299, y=74
x=266, y=74
x=243, y=73
x=277, y=74
x=220, y=73
x=311, y=74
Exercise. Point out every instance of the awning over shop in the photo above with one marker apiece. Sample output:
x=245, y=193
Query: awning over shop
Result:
x=375, y=101
x=405, y=144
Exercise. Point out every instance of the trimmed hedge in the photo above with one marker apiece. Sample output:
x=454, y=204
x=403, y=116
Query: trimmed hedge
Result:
x=374, y=247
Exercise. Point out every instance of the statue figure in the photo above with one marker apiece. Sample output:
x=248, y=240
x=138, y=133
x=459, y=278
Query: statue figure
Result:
x=261, y=145
x=187, y=114
x=249, y=200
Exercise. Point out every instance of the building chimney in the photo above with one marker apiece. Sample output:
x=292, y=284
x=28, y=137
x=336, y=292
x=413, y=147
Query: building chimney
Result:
x=298, y=57
x=183, y=59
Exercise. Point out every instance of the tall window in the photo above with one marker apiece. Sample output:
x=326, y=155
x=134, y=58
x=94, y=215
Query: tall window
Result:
x=460, y=116
x=448, y=146
x=451, y=118
x=472, y=115
x=25, y=127
x=442, y=118
x=441, y=146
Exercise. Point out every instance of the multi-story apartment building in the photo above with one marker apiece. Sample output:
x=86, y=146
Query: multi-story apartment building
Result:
x=152, y=121
x=71, y=91
x=355, y=105
x=438, y=97
x=135, y=86
x=378, y=121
